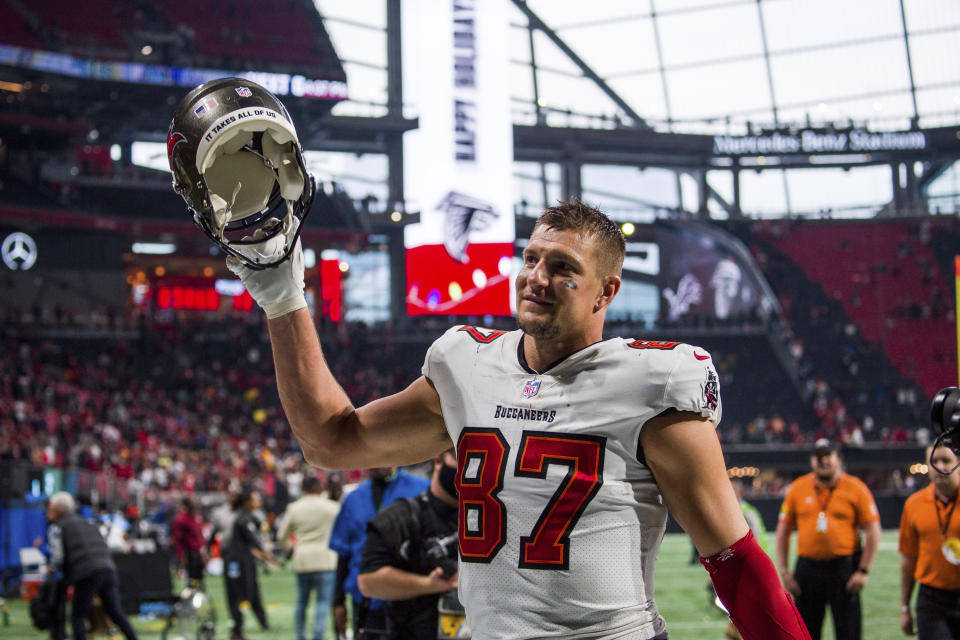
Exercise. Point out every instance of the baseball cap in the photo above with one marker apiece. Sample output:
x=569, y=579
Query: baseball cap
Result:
x=824, y=446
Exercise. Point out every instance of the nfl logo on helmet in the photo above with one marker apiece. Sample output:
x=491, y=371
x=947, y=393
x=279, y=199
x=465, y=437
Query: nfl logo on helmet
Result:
x=244, y=92
x=530, y=388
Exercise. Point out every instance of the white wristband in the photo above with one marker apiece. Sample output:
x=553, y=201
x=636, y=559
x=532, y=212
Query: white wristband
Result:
x=284, y=307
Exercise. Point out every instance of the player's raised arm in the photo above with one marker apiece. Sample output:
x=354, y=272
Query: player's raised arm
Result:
x=683, y=452
x=400, y=429
x=237, y=163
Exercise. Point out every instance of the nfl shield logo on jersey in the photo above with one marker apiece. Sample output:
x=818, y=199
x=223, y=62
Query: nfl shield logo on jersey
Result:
x=530, y=388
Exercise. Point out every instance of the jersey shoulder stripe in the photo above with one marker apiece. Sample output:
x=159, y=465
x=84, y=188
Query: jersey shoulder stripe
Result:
x=653, y=344
x=482, y=335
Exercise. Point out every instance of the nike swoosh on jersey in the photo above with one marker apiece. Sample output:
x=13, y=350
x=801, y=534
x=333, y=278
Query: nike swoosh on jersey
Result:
x=700, y=356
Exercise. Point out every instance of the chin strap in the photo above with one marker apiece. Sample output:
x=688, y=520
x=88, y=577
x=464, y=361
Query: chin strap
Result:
x=749, y=587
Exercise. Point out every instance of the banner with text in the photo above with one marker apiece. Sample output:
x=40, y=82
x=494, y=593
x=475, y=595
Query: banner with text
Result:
x=458, y=165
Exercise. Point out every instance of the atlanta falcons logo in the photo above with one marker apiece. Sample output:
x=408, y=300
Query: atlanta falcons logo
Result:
x=463, y=214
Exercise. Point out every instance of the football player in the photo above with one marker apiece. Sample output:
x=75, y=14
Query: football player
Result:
x=570, y=448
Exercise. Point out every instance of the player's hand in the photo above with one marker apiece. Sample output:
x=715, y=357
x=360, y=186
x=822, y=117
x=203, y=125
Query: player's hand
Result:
x=277, y=290
x=790, y=582
x=857, y=582
x=906, y=622
x=436, y=583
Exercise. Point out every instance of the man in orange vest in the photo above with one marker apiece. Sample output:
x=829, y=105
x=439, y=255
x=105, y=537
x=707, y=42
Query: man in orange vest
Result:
x=828, y=508
x=930, y=552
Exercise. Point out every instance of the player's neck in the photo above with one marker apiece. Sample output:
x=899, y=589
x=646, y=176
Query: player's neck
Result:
x=540, y=354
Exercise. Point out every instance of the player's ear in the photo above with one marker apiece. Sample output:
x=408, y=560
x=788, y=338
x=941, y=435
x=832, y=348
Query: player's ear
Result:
x=608, y=290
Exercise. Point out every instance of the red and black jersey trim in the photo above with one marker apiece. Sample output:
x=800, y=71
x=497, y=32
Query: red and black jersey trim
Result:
x=522, y=358
x=483, y=336
x=653, y=344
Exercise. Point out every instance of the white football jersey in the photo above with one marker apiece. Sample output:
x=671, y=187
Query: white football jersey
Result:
x=560, y=519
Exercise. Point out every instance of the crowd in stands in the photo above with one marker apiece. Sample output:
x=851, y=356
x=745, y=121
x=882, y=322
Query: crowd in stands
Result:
x=188, y=402
x=891, y=282
x=180, y=403
x=852, y=388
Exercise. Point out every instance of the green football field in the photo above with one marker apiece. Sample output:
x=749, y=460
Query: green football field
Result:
x=681, y=595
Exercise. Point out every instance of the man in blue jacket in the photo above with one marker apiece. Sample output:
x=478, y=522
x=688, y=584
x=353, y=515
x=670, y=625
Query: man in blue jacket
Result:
x=385, y=485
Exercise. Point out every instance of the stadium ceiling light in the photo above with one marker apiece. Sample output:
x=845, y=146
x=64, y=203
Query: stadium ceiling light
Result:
x=396, y=216
x=11, y=86
x=146, y=50
x=153, y=248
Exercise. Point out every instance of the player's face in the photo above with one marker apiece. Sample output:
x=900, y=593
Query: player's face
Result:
x=944, y=459
x=558, y=286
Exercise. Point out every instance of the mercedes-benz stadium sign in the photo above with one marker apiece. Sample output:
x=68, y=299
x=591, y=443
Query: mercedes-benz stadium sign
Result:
x=814, y=142
x=18, y=251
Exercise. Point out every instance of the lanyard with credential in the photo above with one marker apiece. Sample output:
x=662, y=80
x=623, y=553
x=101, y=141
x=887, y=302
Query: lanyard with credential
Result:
x=951, y=546
x=822, y=517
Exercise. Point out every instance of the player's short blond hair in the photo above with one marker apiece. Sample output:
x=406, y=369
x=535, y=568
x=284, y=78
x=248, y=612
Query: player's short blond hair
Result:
x=574, y=215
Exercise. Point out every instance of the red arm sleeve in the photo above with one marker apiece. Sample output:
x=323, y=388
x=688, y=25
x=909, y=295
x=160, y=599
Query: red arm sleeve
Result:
x=747, y=584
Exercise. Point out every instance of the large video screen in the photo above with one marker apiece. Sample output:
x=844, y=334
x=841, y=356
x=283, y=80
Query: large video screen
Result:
x=458, y=163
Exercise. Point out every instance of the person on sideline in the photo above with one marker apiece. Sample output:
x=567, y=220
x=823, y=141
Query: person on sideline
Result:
x=382, y=488
x=80, y=552
x=186, y=532
x=240, y=567
x=410, y=556
x=308, y=521
x=930, y=552
x=828, y=508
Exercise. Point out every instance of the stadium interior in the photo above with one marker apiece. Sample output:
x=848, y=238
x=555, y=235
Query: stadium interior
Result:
x=821, y=275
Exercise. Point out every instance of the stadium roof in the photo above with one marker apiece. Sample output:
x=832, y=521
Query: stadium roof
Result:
x=710, y=66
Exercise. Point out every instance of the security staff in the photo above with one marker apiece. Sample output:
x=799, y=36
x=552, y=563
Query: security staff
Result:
x=80, y=552
x=930, y=552
x=828, y=508
x=410, y=556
